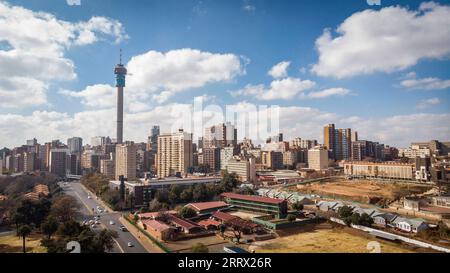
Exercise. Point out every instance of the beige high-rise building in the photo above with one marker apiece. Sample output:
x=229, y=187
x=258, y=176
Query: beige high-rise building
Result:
x=175, y=154
x=318, y=158
x=107, y=168
x=126, y=160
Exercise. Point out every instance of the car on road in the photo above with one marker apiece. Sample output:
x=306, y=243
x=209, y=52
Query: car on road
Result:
x=93, y=226
x=112, y=223
x=123, y=229
x=89, y=197
x=97, y=222
x=130, y=244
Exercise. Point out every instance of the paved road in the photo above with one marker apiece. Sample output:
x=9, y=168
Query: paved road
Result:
x=75, y=189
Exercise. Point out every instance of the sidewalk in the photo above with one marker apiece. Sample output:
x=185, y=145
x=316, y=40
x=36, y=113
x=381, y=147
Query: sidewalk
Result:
x=146, y=243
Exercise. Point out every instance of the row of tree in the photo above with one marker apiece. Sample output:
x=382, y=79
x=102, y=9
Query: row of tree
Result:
x=347, y=214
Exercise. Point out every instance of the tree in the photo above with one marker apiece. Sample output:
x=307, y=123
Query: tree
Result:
x=186, y=195
x=50, y=226
x=354, y=219
x=229, y=181
x=345, y=211
x=237, y=232
x=199, y=248
x=174, y=194
x=187, y=212
x=365, y=220
x=291, y=218
x=199, y=192
x=155, y=205
x=162, y=196
x=298, y=206
x=65, y=208
x=222, y=229
x=24, y=231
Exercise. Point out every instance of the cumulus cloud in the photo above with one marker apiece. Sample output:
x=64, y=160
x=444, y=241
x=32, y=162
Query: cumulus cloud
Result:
x=35, y=55
x=391, y=39
x=294, y=121
x=283, y=89
x=427, y=103
x=430, y=83
x=165, y=74
x=331, y=92
x=280, y=70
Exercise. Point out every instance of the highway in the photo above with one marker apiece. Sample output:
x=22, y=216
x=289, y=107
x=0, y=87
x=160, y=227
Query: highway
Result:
x=121, y=243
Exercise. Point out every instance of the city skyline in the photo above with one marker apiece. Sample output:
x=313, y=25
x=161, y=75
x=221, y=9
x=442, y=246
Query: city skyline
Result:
x=394, y=102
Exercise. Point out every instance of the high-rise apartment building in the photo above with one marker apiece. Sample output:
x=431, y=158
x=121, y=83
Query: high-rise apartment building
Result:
x=221, y=135
x=338, y=142
x=57, y=161
x=226, y=154
x=318, y=158
x=126, y=160
x=107, y=168
x=211, y=157
x=175, y=154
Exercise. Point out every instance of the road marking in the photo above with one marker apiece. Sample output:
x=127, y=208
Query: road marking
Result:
x=81, y=199
x=121, y=249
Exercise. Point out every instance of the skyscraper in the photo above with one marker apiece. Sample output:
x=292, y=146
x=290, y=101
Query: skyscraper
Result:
x=121, y=73
x=221, y=135
x=126, y=160
x=338, y=142
x=174, y=154
x=75, y=145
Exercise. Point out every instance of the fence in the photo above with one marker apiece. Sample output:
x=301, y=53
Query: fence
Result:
x=398, y=237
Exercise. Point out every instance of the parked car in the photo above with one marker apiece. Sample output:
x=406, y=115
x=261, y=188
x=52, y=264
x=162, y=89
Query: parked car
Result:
x=130, y=244
x=111, y=223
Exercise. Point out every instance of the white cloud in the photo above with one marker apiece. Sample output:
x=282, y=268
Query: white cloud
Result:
x=427, y=103
x=280, y=70
x=95, y=96
x=425, y=84
x=391, y=39
x=284, y=89
x=249, y=8
x=165, y=74
x=295, y=121
x=36, y=46
x=327, y=93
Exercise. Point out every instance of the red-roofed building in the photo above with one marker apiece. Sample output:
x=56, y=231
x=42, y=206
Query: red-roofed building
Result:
x=183, y=225
x=158, y=229
x=209, y=224
x=258, y=204
x=223, y=217
x=208, y=207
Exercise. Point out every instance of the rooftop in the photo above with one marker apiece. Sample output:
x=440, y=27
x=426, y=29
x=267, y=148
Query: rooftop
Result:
x=155, y=225
x=253, y=198
x=208, y=205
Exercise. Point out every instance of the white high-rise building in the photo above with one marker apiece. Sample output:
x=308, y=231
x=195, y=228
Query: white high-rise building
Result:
x=175, y=154
x=126, y=161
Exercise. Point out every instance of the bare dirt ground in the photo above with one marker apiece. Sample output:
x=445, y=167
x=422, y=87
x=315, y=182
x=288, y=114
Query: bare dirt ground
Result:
x=13, y=244
x=364, y=191
x=325, y=239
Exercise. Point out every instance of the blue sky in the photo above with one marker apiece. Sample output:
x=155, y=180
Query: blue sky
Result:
x=259, y=34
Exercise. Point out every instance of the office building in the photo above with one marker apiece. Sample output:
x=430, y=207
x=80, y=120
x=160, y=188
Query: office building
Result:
x=107, y=168
x=226, y=154
x=259, y=204
x=272, y=160
x=243, y=168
